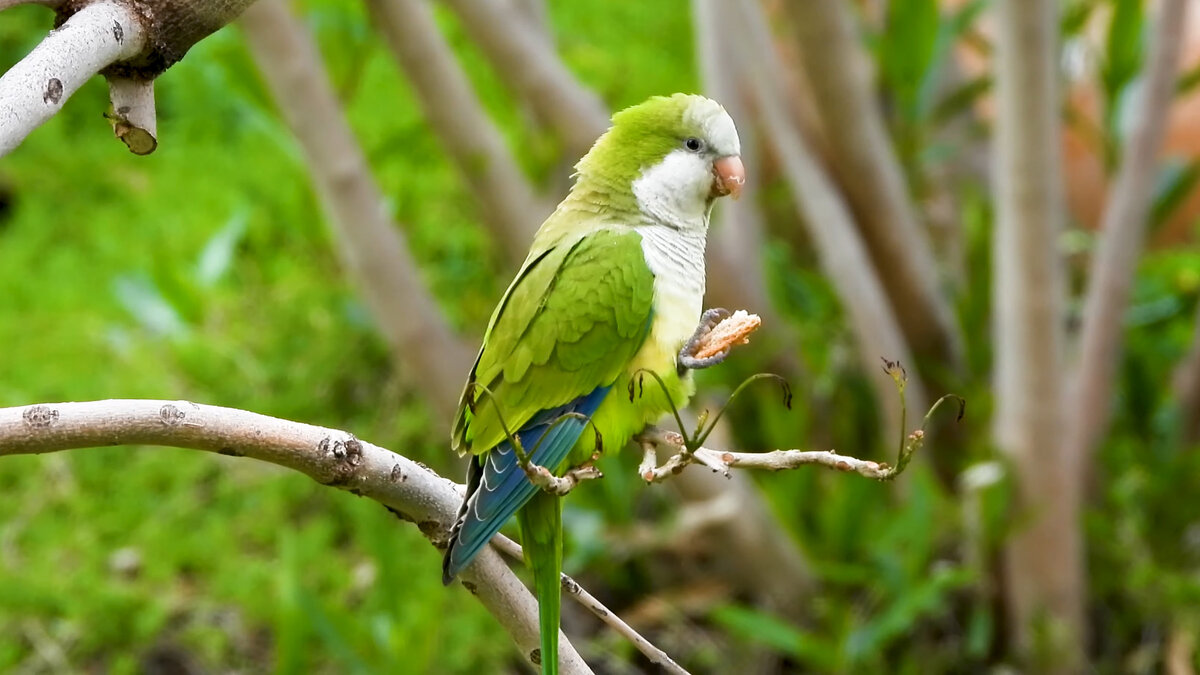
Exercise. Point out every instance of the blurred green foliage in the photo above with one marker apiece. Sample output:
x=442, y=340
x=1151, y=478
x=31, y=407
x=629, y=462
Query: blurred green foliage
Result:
x=205, y=272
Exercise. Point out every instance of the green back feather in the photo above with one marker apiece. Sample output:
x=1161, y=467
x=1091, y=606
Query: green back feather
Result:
x=571, y=322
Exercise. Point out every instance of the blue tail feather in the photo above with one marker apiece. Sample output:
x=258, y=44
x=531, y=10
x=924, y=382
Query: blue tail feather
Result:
x=497, y=487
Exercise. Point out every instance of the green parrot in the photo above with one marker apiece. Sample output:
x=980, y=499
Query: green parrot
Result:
x=613, y=283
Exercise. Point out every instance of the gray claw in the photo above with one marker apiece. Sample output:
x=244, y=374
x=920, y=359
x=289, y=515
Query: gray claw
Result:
x=708, y=320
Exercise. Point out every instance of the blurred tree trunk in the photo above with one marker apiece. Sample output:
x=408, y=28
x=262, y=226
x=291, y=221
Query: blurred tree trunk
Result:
x=529, y=66
x=506, y=199
x=1122, y=234
x=1185, y=385
x=842, y=253
x=861, y=154
x=373, y=249
x=1044, y=556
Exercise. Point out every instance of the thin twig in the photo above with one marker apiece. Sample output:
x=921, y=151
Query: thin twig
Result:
x=330, y=457
x=35, y=89
x=592, y=604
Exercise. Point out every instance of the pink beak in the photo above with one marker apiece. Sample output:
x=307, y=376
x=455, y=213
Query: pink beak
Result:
x=728, y=176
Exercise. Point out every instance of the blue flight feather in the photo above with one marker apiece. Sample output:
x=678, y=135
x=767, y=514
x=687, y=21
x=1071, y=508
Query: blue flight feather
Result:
x=497, y=487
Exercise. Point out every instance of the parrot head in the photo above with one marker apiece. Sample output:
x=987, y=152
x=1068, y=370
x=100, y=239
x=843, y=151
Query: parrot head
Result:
x=673, y=155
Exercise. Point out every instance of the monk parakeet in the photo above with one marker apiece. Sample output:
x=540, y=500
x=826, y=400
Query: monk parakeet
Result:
x=613, y=283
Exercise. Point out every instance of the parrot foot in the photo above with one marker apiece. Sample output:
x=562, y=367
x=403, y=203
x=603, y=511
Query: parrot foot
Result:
x=688, y=359
x=560, y=485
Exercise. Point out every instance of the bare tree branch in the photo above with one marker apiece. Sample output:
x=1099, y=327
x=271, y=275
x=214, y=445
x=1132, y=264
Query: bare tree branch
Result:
x=35, y=89
x=528, y=65
x=506, y=198
x=330, y=457
x=1122, y=233
x=861, y=154
x=134, y=120
x=1043, y=558
x=825, y=213
x=374, y=249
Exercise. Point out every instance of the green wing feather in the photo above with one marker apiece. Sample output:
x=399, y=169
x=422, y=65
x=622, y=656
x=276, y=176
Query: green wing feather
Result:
x=570, y=322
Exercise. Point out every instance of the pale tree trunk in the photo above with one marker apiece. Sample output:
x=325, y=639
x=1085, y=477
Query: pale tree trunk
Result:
x=1122, y=232
x=374, y=250
x=1043, y=557
x=504, y=195
x=861, y=153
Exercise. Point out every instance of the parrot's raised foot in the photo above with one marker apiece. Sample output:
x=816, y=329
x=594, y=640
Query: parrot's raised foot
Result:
x=541, y=477
x=689, y=355
x=718, y=332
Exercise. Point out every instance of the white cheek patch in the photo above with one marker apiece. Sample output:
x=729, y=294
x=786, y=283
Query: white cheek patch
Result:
x=676, y=190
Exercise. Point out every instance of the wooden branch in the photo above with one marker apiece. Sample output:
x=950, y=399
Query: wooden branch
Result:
x=35, y=89
x=506, y=198
x=685, y=452
x=1044, y=557
x=330, y=457
x=528, y=65
x=838, y=70
x=373, y=247
x=825, y=213
x=1122, y=234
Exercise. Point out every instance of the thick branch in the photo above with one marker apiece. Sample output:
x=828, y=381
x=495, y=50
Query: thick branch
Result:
x=35, y=89
x=861, y=152
x=506, y=198
x=373, y=247
x=1043, y=558
x=1122, y=232
x=528, y=65
x=330, y=457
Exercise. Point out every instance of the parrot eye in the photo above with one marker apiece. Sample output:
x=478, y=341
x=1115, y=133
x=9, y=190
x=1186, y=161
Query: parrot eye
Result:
x=693, y=144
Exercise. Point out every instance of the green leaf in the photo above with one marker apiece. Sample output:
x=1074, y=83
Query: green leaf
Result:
x=217, y=255
x=759, y=626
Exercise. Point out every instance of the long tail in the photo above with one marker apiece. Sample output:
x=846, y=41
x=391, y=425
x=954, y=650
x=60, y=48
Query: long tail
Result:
x=541, y=535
